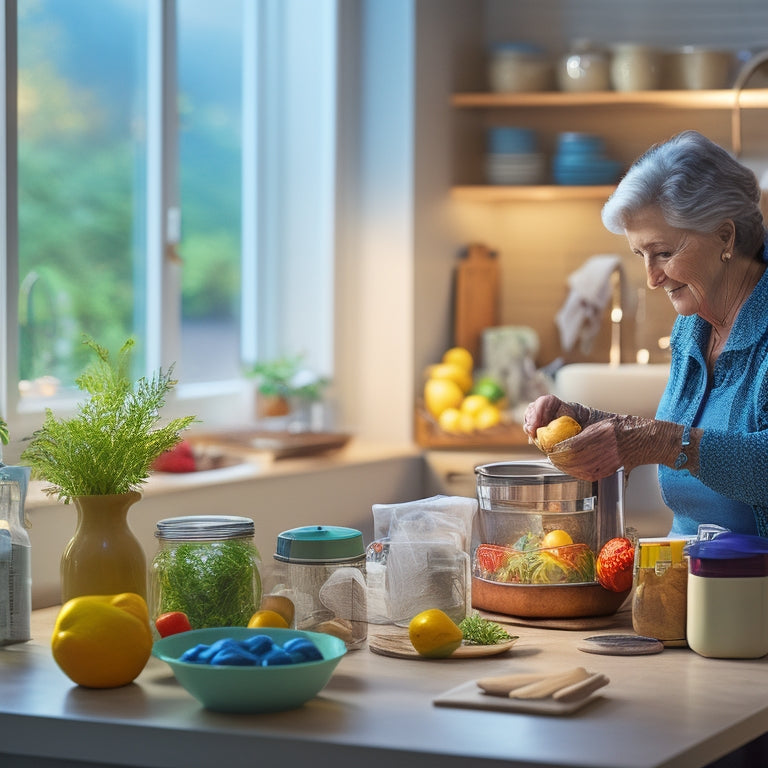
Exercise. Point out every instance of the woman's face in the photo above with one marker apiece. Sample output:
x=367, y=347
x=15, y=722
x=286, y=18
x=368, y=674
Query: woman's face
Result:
x=686, y=264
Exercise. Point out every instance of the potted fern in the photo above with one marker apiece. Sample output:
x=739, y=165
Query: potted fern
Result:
x=284, y=384
x=99, y=459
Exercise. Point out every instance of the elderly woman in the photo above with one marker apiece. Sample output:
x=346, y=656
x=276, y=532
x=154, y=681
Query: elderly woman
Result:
x=692, y=214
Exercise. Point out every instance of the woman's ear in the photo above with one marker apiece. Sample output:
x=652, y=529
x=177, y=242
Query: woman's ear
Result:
x=726, y=233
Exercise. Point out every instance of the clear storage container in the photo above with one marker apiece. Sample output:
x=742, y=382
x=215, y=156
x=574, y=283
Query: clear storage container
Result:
x=206, y=567
x=321, y=569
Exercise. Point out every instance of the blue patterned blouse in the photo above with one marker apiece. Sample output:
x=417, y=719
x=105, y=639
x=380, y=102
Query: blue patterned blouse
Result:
x=732, y=408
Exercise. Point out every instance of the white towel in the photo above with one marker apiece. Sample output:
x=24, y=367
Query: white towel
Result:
x=579, y=318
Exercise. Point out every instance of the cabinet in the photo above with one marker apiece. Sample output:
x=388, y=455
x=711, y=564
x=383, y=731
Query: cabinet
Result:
x=628, y=121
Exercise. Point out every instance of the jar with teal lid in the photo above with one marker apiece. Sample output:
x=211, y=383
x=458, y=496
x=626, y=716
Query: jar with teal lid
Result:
x=206, y=566
x=321, y=569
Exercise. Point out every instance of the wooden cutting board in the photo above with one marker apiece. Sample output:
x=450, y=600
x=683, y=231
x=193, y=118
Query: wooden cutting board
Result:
x=477, y=298
x=399, y=646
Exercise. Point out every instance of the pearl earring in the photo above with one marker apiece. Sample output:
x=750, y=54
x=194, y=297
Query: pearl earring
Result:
x=726, y=256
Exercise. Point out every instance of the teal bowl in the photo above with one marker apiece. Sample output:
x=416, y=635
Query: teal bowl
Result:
x=247, y=689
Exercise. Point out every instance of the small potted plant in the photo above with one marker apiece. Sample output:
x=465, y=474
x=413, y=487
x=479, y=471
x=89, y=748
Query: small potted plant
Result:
x=285, y=384
x=98, y=459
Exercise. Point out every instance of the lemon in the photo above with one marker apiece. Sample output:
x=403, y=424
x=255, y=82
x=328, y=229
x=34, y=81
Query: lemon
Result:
x=452, y=372
x=267, y=618
x=487, y=417
x=440, y=394
x=102, y=641
x=434, y=634
x=473, y=404
x=466, y=423
x=557, y=538
x=461, y=357
x=449, y=420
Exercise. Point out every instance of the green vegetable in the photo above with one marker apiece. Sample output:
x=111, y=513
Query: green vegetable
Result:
x=214, y=583
x=109, y=446
x=3, y=432
x=480, y=631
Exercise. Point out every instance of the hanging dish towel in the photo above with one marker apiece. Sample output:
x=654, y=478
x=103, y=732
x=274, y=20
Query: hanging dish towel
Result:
x=590, y=290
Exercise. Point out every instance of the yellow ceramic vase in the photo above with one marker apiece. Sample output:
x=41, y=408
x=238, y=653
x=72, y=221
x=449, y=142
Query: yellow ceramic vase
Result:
x=103, y=557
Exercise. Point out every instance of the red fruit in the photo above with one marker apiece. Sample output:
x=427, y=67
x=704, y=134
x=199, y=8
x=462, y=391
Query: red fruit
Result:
x=179, y=459
x=490, y=557
x=172, y=623
x=615, y=564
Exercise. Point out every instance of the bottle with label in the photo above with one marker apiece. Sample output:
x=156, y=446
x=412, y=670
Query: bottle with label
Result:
x=659, y=602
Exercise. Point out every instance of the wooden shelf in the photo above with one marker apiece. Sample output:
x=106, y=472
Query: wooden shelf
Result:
x=747, y=99
x=543, y=193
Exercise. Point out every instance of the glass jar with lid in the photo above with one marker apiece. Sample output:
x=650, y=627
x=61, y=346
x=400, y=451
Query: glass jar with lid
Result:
x=207, y=567
x=321, y=569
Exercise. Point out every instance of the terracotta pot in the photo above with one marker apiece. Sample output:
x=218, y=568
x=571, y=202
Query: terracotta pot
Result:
x=103, y=557
x=270, y=406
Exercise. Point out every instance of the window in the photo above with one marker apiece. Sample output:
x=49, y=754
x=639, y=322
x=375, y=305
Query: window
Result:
x=175, y=183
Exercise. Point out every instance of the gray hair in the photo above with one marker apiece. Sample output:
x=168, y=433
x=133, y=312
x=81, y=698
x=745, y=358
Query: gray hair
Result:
x=697, y=185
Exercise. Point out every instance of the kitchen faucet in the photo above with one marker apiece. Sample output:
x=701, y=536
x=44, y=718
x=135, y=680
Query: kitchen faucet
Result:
x=616, y=315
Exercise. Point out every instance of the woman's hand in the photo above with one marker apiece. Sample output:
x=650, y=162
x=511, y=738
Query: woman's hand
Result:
x=547, y=408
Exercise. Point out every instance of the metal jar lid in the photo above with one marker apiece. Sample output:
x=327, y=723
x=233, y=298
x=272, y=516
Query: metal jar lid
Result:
x=531, y=480
x=204, y=527
x=319, y=543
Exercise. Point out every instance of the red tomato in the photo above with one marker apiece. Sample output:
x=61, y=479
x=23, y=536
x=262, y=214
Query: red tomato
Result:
x=172, y=623
x=615, y=563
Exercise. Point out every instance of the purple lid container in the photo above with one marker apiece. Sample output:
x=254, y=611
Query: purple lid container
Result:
x=729, y=555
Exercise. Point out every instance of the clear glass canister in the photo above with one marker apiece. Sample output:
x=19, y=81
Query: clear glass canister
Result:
x=206, y=567
x=15, y=561
x=659, y=602
x=321, y=569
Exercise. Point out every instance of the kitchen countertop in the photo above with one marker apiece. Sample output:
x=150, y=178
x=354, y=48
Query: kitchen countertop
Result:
x=670, y=709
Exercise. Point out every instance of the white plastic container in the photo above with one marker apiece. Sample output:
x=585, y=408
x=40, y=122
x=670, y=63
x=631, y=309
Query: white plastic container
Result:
x=728, y=597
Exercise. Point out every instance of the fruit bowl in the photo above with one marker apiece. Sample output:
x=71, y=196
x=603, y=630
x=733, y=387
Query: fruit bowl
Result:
x=250, y=689
x=546, y=601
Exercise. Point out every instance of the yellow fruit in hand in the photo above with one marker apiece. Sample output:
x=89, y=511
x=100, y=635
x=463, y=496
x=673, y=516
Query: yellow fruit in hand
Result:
x=473, y=404
x=440, y=394
x=434, y=634
x=267, y=618
x=487, y=417
x=452, y=372
x=461, y=357
x=557, y=538
x=556, y=431
x=102, y=641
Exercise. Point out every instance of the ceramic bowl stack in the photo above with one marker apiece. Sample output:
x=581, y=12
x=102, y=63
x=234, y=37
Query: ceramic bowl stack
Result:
x=513, y=157
x=581, y=160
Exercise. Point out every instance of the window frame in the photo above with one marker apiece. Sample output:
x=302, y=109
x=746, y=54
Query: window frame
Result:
x=294, y=293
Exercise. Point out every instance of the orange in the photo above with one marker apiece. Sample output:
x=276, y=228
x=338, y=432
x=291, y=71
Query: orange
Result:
x=102, y=641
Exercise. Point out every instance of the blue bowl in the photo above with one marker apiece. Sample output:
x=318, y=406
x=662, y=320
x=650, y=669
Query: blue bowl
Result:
x=509, y=140
x=250, y=689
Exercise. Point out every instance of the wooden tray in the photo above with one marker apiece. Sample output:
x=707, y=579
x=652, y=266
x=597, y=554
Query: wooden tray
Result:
x=399, y=647
x=469, y=696
x=429, y=435
x=280, y=444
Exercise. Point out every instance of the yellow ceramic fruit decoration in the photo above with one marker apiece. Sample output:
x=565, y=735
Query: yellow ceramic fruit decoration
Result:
x=267, y=618
x=102, y=641
x=556, y=431
x=434, y=634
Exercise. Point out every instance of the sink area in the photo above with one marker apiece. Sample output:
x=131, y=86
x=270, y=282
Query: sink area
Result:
x=627, y=388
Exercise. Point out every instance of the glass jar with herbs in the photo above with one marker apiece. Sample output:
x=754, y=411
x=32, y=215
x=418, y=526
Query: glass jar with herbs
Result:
x=206, y=567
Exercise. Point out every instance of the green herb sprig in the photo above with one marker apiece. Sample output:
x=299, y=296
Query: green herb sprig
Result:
x=109, y=445
x=4, y=436
x=480, y=631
